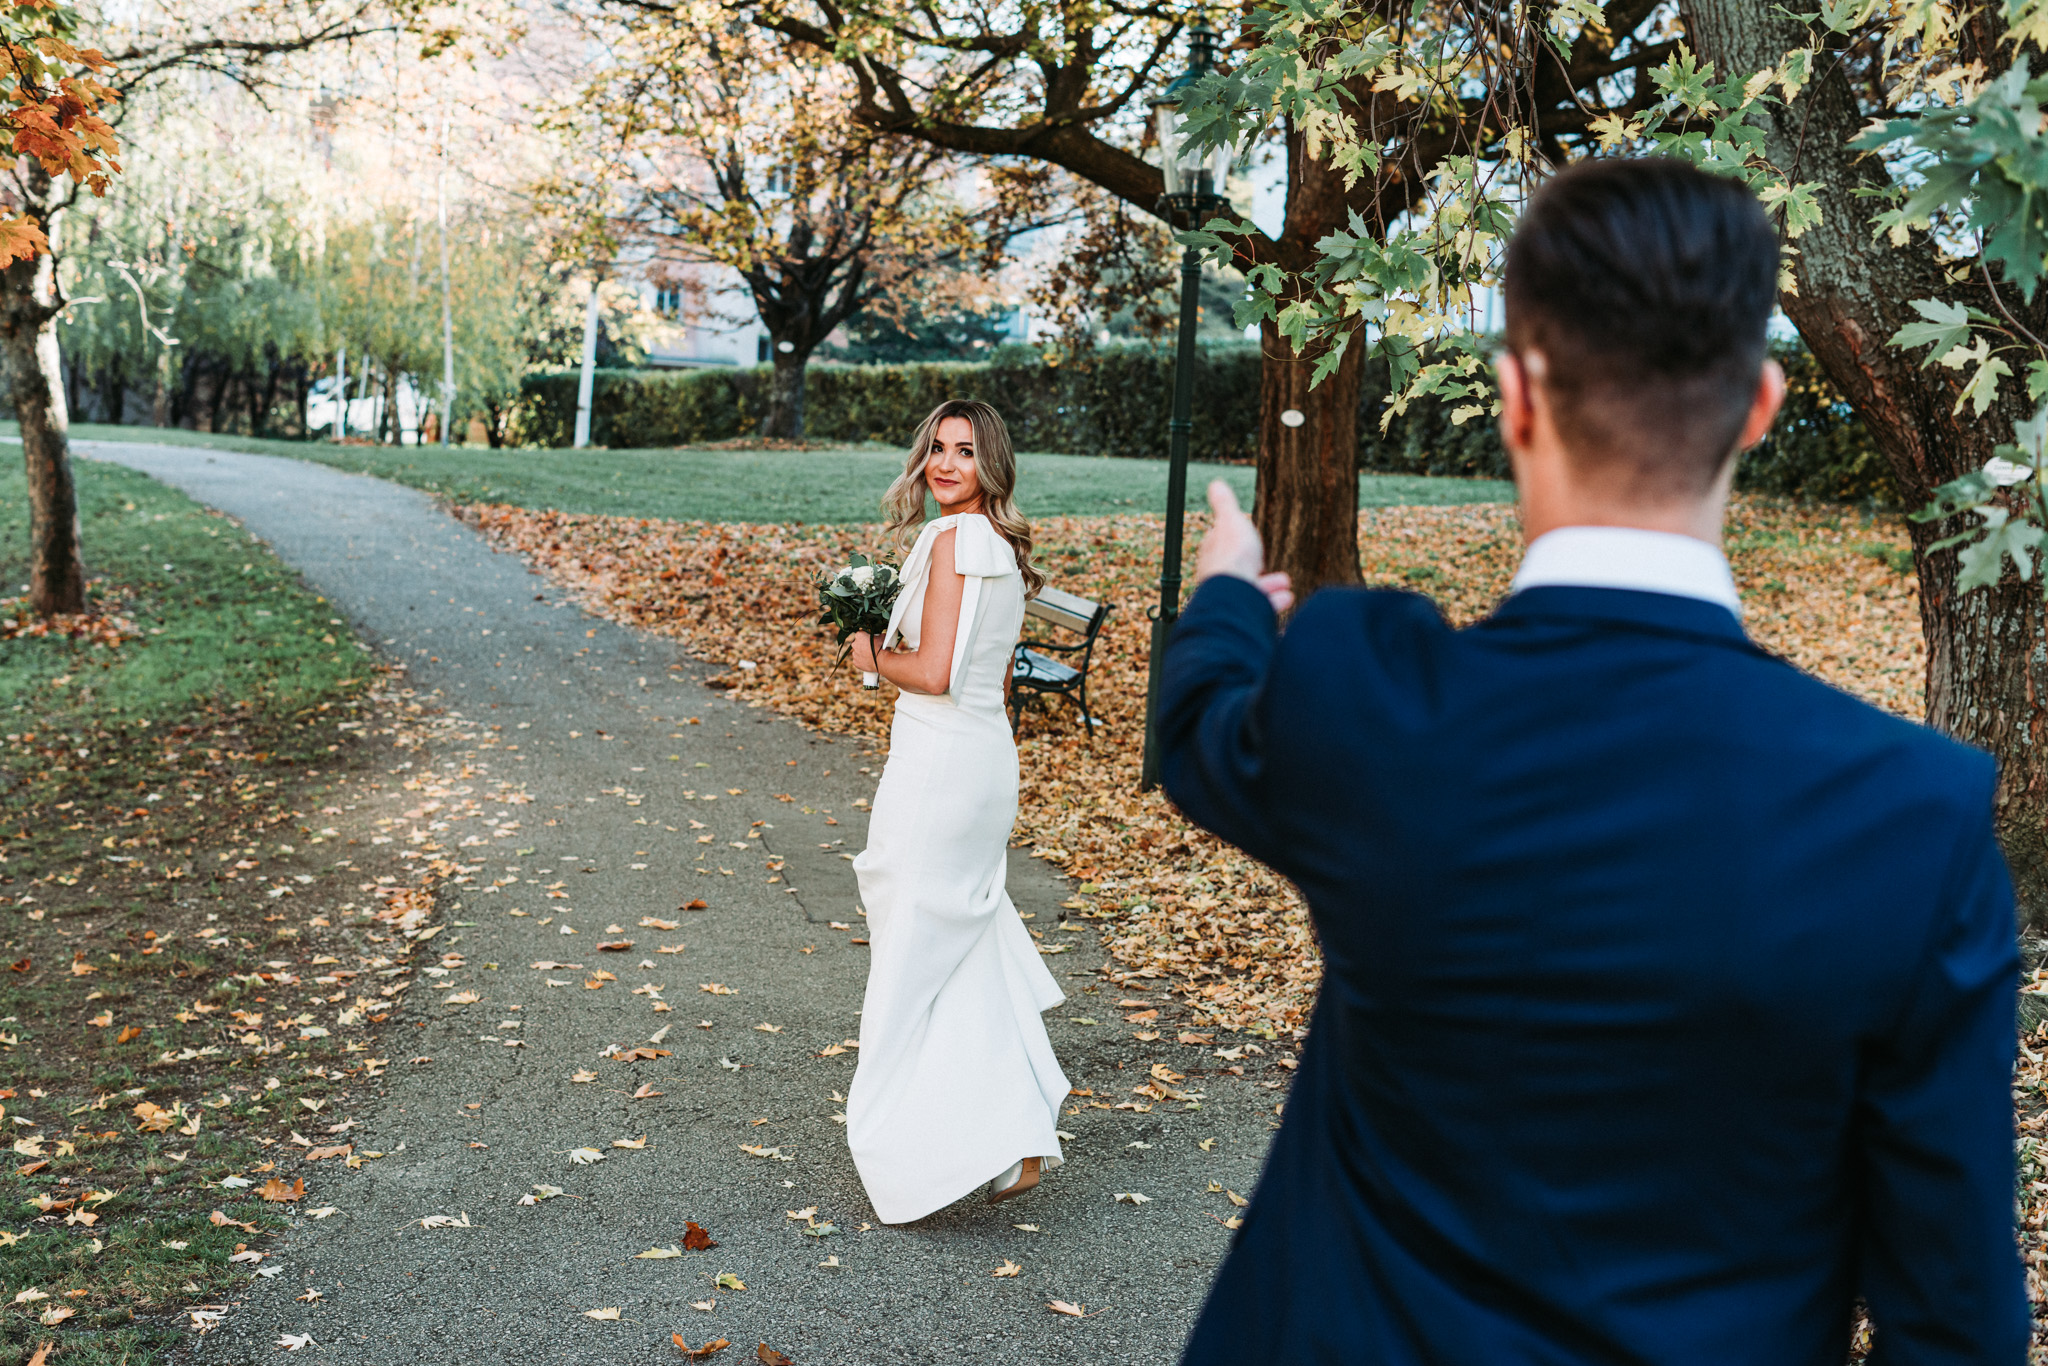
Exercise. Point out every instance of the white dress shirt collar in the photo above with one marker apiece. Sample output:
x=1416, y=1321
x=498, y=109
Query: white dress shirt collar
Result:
x=1628, y=557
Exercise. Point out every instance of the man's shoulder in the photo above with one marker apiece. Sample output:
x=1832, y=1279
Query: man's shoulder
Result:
x=1902, y=750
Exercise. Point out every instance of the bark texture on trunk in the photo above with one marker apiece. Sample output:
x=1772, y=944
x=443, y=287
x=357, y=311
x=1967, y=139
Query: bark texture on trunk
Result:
x=29, y=302
x=1987, y=658
x=785, y=419
x=1307, y=509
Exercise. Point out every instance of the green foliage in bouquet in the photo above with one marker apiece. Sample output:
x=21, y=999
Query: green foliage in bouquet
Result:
x=857, y=598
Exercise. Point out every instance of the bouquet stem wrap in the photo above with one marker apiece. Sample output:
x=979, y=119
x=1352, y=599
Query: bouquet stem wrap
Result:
x=857, y=599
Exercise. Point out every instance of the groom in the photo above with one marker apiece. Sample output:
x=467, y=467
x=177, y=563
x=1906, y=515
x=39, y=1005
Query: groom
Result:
x=1668, y=993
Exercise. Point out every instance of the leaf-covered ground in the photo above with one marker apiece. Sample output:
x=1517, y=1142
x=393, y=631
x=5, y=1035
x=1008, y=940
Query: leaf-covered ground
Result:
x=1823, y=587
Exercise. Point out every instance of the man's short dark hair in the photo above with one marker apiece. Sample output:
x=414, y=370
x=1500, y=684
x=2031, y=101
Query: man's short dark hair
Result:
x=1646, y=285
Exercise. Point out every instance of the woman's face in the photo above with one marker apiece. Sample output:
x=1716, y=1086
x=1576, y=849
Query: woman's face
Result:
x=949, y=467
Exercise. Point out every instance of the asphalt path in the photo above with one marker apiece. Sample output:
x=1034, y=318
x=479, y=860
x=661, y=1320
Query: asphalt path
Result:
x=624, y=789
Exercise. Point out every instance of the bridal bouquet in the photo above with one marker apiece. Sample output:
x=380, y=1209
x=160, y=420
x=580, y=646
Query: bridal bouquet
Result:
x=858, y=598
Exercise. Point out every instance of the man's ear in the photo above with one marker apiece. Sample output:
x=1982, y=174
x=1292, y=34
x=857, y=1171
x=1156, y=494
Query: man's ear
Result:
x=1763, y=406
x=1517, y=406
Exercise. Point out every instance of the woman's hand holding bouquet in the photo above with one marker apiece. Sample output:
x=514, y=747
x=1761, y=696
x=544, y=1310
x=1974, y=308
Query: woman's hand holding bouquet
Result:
x=857, y=600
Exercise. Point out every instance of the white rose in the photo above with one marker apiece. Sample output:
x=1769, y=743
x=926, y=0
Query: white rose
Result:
x=862, y=575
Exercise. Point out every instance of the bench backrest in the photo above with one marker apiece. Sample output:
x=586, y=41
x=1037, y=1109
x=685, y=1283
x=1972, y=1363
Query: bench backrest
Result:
x=1063, y=609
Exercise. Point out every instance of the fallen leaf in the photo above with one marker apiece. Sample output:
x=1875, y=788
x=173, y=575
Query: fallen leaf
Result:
x=131, y=1032
x=770, y=1357
x=341, y=1150
x=758, y=1151
x=695, y=1238
x=700, y=1353
x=102, y=1020
x=1062, y=1307
x=323, y=1212
x=706, y=1305
x=639, y=1142
x=582, y=1075
x=50, y=1318
x=1133, y=1198
x=583, y=1157
x=1206, y=1144
x=1236, y=1199
x=461, y=998
x=1189, y=1037
x=616, y=945
x=657, y=1254
x=642, y=1054
x=30, y=1296
x=609, y=1315
x=715, y=989
x=767, y=1028
x=278, y=1193
x=219, y=1220
x=648, y=922
x=1161, y=1072
x=727, y=1281
x=446, y=1221
x=1008, y=1268
x=291, y=1342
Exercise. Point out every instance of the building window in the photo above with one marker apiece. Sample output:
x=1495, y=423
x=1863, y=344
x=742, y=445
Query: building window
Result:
x=668, y=301
x=761, y=350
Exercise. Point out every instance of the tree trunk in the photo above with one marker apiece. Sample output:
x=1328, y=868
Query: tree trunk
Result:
x=1307, y=511
x=113, y=388
x=261, y=405
x=29, y=301
x=1987, y=656
x=785, y=418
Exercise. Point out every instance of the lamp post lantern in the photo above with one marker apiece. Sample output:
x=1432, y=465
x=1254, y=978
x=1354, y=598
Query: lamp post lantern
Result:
x=1194, y=190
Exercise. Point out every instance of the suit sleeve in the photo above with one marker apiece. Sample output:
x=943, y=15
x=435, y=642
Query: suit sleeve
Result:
x=1212, y=742
x=1940, y=1270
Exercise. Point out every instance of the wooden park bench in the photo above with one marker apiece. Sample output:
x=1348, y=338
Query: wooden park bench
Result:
x=1039, y=675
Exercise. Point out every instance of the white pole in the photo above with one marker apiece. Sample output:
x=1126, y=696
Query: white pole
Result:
x=584, y=385
x=340, y=392
x=447, y=307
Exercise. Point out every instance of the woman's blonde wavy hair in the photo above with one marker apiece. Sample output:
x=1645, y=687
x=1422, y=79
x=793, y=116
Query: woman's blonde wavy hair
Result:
x=995, y=467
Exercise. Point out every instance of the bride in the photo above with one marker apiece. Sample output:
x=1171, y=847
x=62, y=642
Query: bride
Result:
x=957, y=1082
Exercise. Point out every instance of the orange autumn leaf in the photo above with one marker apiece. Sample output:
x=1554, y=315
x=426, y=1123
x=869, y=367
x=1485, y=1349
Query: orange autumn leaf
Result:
x=278, y=1193
x=695, y=1238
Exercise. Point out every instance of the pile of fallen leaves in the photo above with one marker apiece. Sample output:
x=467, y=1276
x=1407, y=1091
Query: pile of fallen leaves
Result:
x=1826, y=588
x=18, y=621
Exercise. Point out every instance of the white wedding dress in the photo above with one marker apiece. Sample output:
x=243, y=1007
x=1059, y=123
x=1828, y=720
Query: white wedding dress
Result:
x=957, y=1080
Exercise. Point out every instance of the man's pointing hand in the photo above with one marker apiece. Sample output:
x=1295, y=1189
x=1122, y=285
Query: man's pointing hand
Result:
x=1232, y=548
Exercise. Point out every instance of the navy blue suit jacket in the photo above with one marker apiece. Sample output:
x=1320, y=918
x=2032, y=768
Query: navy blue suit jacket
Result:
x=1667, y=1002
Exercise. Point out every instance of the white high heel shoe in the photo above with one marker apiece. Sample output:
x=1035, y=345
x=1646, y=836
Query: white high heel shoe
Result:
x=1014, y=1182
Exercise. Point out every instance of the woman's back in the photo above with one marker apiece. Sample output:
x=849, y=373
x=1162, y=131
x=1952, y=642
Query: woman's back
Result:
x=991, y=614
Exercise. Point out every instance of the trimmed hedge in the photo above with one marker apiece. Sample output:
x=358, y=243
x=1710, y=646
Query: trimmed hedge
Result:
x=1115, y=404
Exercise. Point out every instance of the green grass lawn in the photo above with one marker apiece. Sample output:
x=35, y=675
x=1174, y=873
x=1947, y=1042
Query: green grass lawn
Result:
x=837, y=485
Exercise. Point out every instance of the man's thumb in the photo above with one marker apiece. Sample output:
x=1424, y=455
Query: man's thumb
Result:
x=1223, y=500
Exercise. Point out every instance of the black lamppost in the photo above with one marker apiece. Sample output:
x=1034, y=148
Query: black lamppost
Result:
x=1194, y=191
